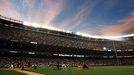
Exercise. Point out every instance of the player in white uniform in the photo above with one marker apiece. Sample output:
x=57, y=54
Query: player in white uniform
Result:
x=11, y=66
x=64, y=66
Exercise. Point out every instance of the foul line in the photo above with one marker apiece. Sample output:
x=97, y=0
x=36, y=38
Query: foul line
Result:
x=27, y=72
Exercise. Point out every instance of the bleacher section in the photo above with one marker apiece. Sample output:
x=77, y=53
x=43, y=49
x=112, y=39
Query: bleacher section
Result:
x=15, y=36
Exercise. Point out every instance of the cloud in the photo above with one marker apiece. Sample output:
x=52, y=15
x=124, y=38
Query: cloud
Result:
x=126, y=26
x=76, y=20
x=116, y=30
x=8, y=9
x=46, y=13
x=38, y=11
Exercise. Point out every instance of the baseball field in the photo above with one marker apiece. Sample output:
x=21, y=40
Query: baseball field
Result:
x=74, y=71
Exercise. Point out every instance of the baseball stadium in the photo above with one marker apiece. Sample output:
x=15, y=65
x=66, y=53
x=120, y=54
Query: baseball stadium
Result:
x=30, y=46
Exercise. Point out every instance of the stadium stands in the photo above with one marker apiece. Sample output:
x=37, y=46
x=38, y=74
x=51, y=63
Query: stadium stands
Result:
x=70, y=62
x=16, y=39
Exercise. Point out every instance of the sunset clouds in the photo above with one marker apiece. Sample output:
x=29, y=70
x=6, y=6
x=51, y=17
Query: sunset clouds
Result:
x=8, y=9
x=79, y=17
x=126, y=25
x=46, y=11
x=95, y=17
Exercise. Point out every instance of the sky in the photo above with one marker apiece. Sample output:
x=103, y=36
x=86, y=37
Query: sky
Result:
x=94, y=17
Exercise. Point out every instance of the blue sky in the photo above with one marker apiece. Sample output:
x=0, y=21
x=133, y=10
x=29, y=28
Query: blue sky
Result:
x=95, y=17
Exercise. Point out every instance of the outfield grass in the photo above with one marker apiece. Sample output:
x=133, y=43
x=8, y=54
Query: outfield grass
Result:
x=10, y=72
x=75, y=71
x=96, y=71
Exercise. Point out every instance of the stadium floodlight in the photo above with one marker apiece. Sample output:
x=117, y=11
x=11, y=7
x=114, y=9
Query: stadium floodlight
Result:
x=44, y=26
x=117, y=38
x=86, y=35
x=104, y=48
x=39, y=25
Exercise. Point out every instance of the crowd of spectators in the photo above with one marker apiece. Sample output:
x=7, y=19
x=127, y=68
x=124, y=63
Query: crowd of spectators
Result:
x=18, y=62
x=28, y=35
x=10, y=32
